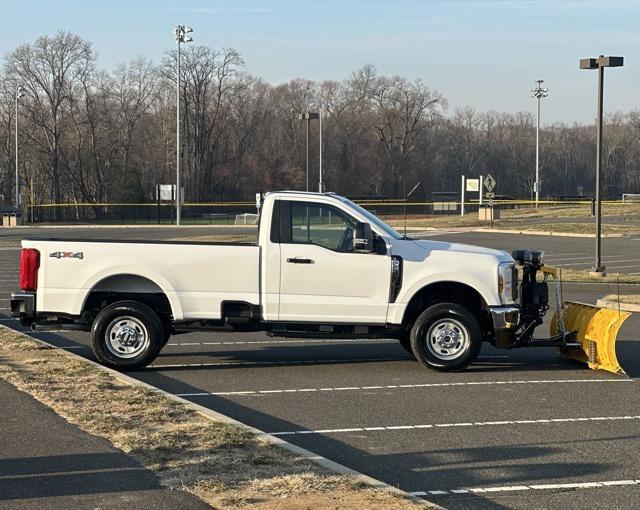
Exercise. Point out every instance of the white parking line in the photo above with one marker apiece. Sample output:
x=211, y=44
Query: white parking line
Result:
x=515, y=488
x=578, y=256
x=566, y=254
x=292, y=362
x=449, y=425
x=552, y=260
x=301, y=341
x=400, y=386
x=574, y=264
x=637, y=264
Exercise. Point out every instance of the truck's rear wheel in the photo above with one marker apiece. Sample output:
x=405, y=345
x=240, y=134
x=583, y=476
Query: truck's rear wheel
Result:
x=127, y=335
x=446, y=337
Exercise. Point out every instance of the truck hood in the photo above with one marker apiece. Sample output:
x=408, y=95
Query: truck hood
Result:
x=501, y=256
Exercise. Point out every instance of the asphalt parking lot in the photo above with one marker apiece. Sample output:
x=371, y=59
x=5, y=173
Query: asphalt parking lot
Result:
x=519, y=429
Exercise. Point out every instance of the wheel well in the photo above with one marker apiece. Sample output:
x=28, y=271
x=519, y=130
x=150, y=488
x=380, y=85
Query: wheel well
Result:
x=446, y=292
x=127, y=287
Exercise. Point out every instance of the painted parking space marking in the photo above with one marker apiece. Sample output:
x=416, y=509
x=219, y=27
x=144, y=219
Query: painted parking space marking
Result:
x=534, y=487
x=291, y=362
x=565, y=254
x=566, y=259
x=637, y=264
x=401, y=386
x=544, y=421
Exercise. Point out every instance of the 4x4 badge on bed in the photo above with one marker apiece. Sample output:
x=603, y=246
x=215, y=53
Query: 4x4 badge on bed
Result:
x=67, y=255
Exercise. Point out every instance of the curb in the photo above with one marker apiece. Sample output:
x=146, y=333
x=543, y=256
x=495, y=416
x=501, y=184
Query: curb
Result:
x=260, y=435
x=614, y=305
x=543, y=233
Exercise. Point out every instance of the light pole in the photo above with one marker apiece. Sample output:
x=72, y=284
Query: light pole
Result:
x=308, y=116
x=538, y=92
x=180, y=33
x=320, y=183
x=599, y=63
x=20, y=92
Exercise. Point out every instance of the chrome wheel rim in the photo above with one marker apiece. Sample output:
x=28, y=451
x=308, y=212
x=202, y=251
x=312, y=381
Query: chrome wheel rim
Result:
x=126, y=337
x=447, y=339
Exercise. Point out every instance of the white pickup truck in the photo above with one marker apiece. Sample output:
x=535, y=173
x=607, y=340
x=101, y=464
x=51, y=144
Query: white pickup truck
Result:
x=323, y=267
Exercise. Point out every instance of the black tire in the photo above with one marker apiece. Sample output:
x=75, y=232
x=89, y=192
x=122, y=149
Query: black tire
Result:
x=122, y=323
x=446, y=337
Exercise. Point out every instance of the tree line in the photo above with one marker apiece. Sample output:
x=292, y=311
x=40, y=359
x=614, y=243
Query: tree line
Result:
x=93, y=136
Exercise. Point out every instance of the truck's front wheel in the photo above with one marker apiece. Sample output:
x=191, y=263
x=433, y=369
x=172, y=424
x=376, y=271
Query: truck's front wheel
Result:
x=446, y=337
x=127, y=335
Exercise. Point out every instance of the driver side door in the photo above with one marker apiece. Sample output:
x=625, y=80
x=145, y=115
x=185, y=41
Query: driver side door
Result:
x=322, y=279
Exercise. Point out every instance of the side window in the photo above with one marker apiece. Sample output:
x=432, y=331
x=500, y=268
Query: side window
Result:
x=322, y=225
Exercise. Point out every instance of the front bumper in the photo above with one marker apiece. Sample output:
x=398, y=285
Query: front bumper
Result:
x=23, y=306
x=505, y=317
x=506, y=320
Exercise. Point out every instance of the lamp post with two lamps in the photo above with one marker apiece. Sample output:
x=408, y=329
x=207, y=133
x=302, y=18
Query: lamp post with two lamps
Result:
x=592, y=64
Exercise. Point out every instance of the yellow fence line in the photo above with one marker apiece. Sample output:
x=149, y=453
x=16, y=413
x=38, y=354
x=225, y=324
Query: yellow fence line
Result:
x=363, y=202
x=188, y=204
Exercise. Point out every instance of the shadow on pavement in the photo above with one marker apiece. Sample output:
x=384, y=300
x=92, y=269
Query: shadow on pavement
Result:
x=64, y=475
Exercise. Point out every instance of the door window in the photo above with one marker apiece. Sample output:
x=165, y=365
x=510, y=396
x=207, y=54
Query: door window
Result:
x=323, y=225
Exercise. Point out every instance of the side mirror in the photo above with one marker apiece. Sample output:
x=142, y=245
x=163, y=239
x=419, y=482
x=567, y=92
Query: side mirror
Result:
x=363, y=238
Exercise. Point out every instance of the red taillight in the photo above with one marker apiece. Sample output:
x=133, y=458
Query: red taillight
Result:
x=29, y=264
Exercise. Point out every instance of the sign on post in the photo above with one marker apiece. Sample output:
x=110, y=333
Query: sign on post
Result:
x=473, y=184
x=167, y=193
x=489, y=185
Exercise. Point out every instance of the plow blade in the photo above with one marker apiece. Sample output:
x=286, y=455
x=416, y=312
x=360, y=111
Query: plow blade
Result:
x=596, y=329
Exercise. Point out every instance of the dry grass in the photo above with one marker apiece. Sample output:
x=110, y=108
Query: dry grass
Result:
x=554, y=219
x=632, y=299
x=575, y=275
x=223, y=464
x=223, y=238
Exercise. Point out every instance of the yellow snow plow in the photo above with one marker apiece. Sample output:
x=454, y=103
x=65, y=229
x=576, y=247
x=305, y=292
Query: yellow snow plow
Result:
x=579, y=331
x=596, y=330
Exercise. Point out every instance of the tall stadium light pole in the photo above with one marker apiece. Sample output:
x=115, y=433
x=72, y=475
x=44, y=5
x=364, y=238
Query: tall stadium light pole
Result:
x=538, y=92
x=308, y=116
x=592, y=64
x=180, y=33
x=19, y=93
x=320, y=184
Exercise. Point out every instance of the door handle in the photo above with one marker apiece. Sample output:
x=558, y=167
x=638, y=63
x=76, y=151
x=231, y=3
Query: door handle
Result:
x=296, y=260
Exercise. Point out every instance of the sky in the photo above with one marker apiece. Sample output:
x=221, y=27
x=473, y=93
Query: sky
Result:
x=480, y=53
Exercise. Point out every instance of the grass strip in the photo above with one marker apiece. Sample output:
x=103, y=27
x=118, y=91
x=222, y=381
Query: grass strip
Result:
x=222, y=464
x=632, y=299
x=575, y=275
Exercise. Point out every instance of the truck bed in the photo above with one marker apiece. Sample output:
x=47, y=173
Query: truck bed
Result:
x=195, y=276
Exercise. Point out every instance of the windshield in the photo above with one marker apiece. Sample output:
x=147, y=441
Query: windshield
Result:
x=372, y=218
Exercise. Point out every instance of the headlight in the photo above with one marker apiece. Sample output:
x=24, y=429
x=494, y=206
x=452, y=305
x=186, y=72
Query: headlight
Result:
x=507, y=282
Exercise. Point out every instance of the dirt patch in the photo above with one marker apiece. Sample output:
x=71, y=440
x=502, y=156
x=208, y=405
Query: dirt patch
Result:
x=223, y=464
